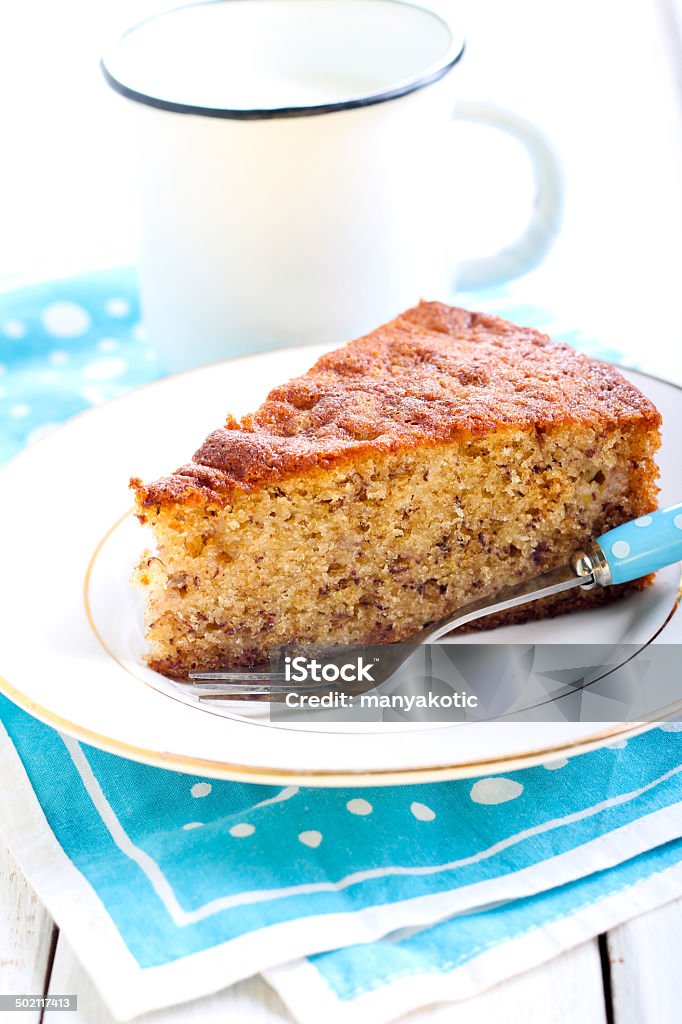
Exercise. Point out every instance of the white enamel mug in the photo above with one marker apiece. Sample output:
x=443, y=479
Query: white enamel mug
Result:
x=295, y=178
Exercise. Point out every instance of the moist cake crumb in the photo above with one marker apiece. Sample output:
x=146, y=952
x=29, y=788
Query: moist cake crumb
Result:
x=441, y=457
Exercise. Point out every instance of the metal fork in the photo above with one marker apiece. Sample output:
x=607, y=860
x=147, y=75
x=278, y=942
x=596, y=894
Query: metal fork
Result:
x=625, y=553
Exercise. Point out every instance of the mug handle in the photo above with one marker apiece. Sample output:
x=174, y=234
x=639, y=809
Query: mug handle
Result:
x=525, y=252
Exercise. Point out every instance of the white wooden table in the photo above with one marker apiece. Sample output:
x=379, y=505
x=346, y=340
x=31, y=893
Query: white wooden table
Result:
x=630, y=976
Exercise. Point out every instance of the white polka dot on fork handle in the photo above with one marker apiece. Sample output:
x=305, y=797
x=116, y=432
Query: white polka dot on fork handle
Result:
x=620, y=549
x=644, y=521
x=677, y=522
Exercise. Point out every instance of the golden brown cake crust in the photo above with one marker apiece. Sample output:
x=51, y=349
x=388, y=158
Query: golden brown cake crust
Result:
x=433, y=375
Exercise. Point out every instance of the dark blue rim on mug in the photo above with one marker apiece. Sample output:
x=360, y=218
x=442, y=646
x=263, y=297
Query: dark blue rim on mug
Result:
x=433, y=74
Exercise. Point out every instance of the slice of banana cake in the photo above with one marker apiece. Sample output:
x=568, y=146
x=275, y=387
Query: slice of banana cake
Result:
x=439, y=458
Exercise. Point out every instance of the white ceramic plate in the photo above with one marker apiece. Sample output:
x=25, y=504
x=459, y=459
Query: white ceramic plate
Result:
x=71, y=624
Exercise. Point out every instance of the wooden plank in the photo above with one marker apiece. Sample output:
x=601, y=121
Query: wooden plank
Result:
x=249, y=1002
x=26, y=936
x=644, y=957
x=562, y=991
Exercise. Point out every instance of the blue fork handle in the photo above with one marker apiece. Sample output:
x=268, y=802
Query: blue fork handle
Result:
x=643, y=545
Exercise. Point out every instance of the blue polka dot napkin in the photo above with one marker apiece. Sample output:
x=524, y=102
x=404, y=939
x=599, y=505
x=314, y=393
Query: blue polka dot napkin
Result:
x=66, y=346
x=356, y=904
